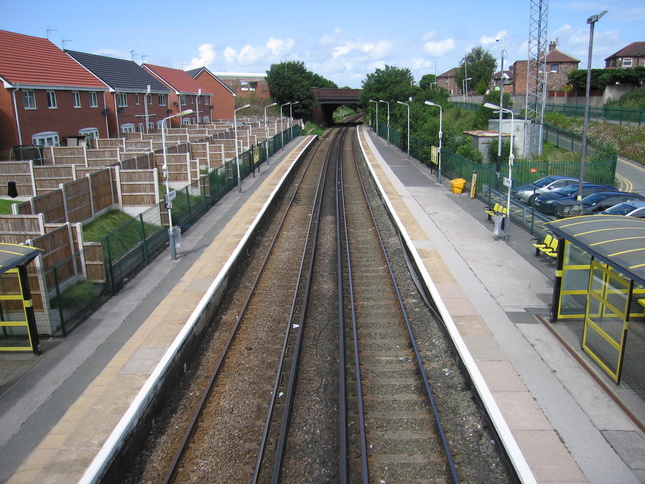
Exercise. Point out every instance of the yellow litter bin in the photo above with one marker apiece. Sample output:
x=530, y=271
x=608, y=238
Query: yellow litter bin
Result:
x=457, y=185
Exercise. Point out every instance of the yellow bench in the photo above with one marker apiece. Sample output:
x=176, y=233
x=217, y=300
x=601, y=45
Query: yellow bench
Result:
x=496, y=209
x=549, y=246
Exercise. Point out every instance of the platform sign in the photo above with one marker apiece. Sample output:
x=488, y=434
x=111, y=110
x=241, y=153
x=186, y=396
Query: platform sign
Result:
x=508, y=182
x=171, y=195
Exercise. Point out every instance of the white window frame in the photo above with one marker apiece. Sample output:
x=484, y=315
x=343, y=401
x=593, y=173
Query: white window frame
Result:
x=89, y=132
x=162, y=99
x=206, y=119
x=46, y=138
x=182, y=99
x=29, y=99
x=160, y=124
x=51, y=100
x=136, y=98
x=186, y=120
x=555, y=68
x=627, y=62
x=140, y=127
x=77, y=99
x=122, y=100
x=94, y=99
x=128, y=128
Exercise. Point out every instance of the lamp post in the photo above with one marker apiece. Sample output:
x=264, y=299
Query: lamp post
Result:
x=291, y=117
x=376, y=125
x=430, y=103
x=511, y=159
x=281, y=126
x=164, y=168
x=406, y=104
x=498, y=164
x=464, y=86
x=583, y=149
x=237, y=158
x=266, y=129
x=388, y=119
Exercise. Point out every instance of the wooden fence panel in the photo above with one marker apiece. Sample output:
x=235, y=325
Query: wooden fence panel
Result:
x=139, y=188
x=78, y=200
x=15, y=229
x=51, y=205
x=69, y=155
x=94, y=264
x=103, y=193
x=102, y=157
x=49, y=178
x=58, y=244
x=19, y=172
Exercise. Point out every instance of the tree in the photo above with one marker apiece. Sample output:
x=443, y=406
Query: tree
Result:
x=480, y=66
x=290, y=82
x=428, y=81
x=391, y=84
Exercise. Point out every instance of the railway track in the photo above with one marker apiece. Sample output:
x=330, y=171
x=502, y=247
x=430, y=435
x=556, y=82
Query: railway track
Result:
x=312, y=371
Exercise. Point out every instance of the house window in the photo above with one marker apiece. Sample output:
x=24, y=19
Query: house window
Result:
x=89, y=132
x=51, y=100
x=46, y=138
x=151, y=125
x=244, y=85
x=123, y=99
x=136, y=99
x=207, y=100
x=206, y=119
x=160, y=124
x=185, y=120
x=29, y=99
x=77, y=99
x=627, y=62
x=555, y=67
x=182, y=99
x=94, y=100
x=149, y=99
x=162, y=99
x=140, y=127
x=127, y=128
x=253, y=86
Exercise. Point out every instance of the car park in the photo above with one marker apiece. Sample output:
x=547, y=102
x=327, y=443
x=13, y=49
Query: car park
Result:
x=597, y=202
x=629, y=209
x=528, y=193
x=547, y=202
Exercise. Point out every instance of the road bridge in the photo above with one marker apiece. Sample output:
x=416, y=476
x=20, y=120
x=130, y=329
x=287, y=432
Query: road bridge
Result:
x=329, y=100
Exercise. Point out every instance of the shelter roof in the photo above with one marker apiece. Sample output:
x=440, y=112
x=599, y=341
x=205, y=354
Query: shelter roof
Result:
x=617, y=240
x=15, y=255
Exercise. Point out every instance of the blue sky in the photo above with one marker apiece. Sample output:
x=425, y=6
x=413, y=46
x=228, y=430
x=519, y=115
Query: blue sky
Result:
x=340, y=40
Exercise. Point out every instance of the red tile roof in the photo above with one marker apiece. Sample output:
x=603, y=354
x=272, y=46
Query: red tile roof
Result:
x=635, y=49
x=177, y=79
x=557, y=56
x=33, y=61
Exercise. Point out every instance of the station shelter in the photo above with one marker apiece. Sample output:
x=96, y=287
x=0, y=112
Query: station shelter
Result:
x=17, y=319
x=600, y=279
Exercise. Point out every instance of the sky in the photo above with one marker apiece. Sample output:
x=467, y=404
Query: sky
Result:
x=342, y=41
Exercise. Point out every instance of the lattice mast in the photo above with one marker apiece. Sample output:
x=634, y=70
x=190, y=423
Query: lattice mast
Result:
x=536, y=77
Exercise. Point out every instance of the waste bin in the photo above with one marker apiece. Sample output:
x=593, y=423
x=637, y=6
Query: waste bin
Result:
x=457, y=185
x=498, y=220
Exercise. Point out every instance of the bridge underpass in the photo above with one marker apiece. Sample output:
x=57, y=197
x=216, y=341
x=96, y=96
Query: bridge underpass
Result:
x=329, y=100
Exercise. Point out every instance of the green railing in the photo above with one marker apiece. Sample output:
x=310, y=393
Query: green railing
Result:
x=604, y=113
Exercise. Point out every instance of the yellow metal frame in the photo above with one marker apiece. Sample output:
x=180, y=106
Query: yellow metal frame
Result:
x=571, y=292
x=606, y=308
x=25, y=324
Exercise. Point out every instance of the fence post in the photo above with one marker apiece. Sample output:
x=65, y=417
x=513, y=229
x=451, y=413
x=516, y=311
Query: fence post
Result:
x=190, y=214
x=109, y=254
x=60, y=304
x=143, y=239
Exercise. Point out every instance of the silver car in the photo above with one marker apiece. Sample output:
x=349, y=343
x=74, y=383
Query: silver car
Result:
x=629, y=209
x=527, y=193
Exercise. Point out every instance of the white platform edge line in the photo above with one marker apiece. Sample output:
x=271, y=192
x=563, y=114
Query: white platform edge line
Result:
x=515, y=454
x=108, y=449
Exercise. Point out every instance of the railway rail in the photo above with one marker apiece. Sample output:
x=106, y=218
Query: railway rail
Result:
x=313, y=370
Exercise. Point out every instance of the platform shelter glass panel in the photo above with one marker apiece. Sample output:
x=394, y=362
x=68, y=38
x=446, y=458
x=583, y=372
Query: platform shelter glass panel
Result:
x=606, y=318
x=575, y=282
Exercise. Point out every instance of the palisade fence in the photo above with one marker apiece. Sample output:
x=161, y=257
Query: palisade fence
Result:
x=490, y=189
x=107, y=264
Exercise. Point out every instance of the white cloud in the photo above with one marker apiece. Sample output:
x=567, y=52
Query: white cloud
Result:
x=440, y=48
x=206, y=57
x=250, y=55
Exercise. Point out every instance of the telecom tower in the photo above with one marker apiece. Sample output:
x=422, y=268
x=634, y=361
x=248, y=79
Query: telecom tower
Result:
x=536, y=77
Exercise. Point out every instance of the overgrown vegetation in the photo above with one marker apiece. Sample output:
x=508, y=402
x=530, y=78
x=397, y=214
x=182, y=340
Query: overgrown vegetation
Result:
x=81, y=295
x=632, y=100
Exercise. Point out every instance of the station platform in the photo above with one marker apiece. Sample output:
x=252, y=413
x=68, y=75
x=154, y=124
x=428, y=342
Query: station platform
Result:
x=59, y=410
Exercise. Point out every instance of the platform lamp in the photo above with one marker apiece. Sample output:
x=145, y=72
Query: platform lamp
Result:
x=237, y=158
x=291, y=116
x=464, y=87
x=376, y=125
x=406, y=104
x=583, y=149
x=266, y=129
x=388, y=119
x=430, y=103
x=281, y=126
x=164, y=168
x=511, y=159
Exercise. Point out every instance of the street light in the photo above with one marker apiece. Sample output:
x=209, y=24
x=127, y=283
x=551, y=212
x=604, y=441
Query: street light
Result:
x=464, y=86
x=498, y=164
x=583, y=150
x=164, y=168
x=406, y=104
x=430, y=103
x=388, y=119
x=291, y=117
x=266, y=130
x=237, y=158
x=511, y=159
x=281, y=126
x=372, y=101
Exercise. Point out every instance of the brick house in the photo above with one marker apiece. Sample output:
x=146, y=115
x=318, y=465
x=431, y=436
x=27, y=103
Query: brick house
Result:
x=558, y=67
x=447, y=81
x=246, y=85
x=185, y=93
x=508, y=81
x=45, y=95
x=223, y=106
x=631, y=56
x=136, y=100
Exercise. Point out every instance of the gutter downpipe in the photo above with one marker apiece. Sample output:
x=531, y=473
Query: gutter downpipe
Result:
x=15, y=109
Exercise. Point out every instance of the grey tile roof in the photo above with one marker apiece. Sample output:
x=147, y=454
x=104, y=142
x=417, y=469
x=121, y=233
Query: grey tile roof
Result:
x=120, y=74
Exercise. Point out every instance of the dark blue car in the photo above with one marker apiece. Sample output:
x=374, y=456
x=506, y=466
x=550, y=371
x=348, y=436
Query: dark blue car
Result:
x=547, y=202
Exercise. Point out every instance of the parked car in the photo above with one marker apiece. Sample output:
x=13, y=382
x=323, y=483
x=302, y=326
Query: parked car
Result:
x=597, y=202
x=546, y=203
x=528, y=193
x=629, y=209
